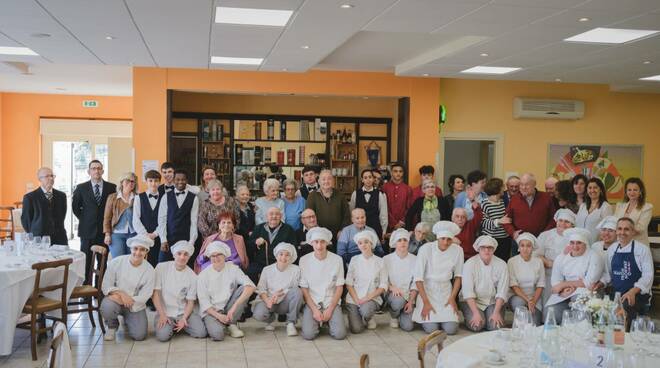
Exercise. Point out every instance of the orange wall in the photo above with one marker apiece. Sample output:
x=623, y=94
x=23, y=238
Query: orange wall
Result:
x=20, y=145
x=150, y=85
x=1, y=172
x=610, y=117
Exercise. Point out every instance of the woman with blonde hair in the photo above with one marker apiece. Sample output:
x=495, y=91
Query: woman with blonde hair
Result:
x=210, y=209
x=118, y=216
x=208, y=174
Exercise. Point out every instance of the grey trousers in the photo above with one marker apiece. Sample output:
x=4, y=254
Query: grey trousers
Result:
x=290, y=305
x=359, y=315
x=558, y=310
x=396, y=305
x=215, y=328
x=136, y=322
x=310, y=327
x=451, y=328
x=485, y=315
x=516, y=301
x=195, y=327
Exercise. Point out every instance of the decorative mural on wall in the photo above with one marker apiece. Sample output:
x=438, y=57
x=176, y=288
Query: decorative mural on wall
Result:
x=613, y=164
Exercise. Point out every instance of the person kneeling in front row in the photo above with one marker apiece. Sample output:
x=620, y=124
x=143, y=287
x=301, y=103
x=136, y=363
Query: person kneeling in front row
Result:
x=402, y=291
x=278, y=290
x=127, y=285
x=322, y=283
x=223, y=290
x=366, y=281
x=175, y=293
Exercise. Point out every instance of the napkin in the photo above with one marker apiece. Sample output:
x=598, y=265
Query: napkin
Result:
x=454, y=359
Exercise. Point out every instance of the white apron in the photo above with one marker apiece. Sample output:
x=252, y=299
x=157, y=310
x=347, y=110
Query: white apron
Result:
x=438, y=285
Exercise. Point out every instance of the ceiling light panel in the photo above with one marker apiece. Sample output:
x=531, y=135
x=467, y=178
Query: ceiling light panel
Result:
x=10, y=50
x=236, y=60
x=655, y=78
x=255, y=17
x=611, y=35
x=490, y=70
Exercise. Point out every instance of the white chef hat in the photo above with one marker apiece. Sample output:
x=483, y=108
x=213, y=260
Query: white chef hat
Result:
x=445, y=229
x=484, y=241
x=318, y=233
x=565, y=214
x=286, y=247
x=183, y=245
x=399, y=234
x=140, y=240
x=529, y=237
x=368, y=235
x=578, y=234
x=217, y=247
x=608, y=222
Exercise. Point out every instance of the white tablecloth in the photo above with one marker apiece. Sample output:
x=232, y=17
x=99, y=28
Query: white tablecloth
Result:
x=17, y=283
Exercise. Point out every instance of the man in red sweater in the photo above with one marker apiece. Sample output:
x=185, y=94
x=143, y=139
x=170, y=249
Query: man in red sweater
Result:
x=530, y=211
x=468, y=228
x=398, y=195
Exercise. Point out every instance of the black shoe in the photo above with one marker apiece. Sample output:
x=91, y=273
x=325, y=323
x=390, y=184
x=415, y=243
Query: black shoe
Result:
x=281, y=318
x=151, y=305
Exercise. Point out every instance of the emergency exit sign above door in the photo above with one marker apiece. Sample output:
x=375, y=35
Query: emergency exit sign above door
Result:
x=90, y=103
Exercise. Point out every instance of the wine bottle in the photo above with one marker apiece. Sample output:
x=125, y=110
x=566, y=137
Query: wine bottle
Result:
x=271, y=130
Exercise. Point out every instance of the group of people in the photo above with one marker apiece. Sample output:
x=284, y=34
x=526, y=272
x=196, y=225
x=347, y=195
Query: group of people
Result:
x=204, y=260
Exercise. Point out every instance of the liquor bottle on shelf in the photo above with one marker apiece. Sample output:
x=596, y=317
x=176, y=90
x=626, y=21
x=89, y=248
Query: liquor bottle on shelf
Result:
x=283, y=130
x=257, y=130
x=267, y=155
x=351, y=137
x=271, y=130
x=344, y=136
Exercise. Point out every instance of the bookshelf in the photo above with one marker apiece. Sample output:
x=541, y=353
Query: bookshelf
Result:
x=243, y=147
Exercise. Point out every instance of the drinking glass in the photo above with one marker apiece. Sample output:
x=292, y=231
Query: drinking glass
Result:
x=638, y=333
x=652, y=335
x=45, y=242
x=28, y=239
x=36, y=243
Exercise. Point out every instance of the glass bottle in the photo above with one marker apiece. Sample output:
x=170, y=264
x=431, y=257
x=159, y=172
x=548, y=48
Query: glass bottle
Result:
x=618, y=321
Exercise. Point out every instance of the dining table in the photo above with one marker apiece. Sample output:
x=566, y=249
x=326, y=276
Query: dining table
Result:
x=17, y=280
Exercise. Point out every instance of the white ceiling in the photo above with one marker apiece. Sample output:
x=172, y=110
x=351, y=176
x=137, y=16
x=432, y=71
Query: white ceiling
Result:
x=407, y=37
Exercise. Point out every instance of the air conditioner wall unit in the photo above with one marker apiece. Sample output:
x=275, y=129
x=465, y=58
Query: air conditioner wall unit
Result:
x=536, y=108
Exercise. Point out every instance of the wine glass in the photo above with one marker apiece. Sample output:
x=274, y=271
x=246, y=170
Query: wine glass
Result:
x=638, y=333
x=652, y=337
x=36, y=242
x=45, y=242
x=28, y=239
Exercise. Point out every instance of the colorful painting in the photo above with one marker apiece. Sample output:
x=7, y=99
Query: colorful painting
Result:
x=613, y=164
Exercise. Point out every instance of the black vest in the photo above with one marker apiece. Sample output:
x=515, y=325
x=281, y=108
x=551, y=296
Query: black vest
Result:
x=371, y=209
x=149, y=217
x=178, y=219
x=304, y=192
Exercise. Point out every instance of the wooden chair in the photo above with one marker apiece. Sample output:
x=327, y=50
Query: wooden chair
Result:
x=85, y=294
x=55, y=348
x=18, y=204
x=6, y=223
x=427, y=343
x=38, y=304
x=364, y=361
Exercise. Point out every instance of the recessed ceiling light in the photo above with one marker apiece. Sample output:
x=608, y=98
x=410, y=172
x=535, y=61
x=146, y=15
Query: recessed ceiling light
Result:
x=584, y=19
x=425, y=75
x=110, y=38
x=60, y=89
x=257, y=17
x=490, y=70
x=557, y=80
x=365, y=97
x=655, y=78
x=346, y=6
x=304, y=47
x=611, y=35
x=483, y=54
x=236, y=60
x=8, y=50
x=285, y=69
x=40, y=35
x=648, y=62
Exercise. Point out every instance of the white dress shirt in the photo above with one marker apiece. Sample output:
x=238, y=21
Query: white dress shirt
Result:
x=161, y=230
x=382, y=207
x=589, y=221
x=643, y=258
x=193, y=212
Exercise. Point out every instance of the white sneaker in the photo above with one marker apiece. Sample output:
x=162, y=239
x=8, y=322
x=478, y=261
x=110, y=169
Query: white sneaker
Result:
x=269, y=327
x=291, y=329
x=109, y=334
x=235, y=332
x=394, y=323
x=371, y=324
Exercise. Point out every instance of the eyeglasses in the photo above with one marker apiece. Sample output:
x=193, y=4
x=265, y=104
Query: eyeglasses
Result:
x=47, y=176
x=309, y=216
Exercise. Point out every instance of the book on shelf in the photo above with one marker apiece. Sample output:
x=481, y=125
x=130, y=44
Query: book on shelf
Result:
x=304, y=130
x=221, y=132
x=214, y=130
x=239, y=153
x=267, y=155
x=258, y=155
x=312, y=131
x=257, y=130
x=283, y=130
x=291, y=156
x=301, y=154
x=280, y=157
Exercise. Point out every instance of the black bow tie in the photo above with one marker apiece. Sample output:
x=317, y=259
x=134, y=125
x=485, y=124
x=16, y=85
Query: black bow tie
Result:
x=367, y=191
x=180, y=193
x=312, y=188
x=169, y=187
x=154, y=196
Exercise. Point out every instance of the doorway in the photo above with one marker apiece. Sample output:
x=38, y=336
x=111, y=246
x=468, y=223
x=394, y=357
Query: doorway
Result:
x=69, y=145
x=463, y=153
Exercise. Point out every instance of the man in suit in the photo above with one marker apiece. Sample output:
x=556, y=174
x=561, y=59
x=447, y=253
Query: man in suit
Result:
x=182, y=207
x=512, y=189
x=88, y=205
x=308, y=219
x=44, y=209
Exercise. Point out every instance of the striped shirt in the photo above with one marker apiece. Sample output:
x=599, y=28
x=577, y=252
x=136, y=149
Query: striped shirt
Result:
x=493, y=211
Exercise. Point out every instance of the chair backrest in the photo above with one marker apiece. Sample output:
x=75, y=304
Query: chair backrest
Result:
x=427, y=343
x=364, y=361
x=41, y=266
x=55, y=348
x=6, y=222
x=18, y=204
x=99, y=261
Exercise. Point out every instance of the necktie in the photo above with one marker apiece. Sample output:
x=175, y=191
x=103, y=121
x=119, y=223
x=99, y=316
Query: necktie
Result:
x=97, y=194
x=154, y=196
x=49, y=196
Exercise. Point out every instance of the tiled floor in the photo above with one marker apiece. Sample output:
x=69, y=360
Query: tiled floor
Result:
x=386, y=347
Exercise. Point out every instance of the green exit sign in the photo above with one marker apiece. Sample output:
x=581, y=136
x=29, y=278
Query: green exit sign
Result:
x=90, y=103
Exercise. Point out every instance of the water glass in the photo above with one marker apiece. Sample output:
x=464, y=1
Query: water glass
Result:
x=36, y=242
x=45, y=242
x=638, y=333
